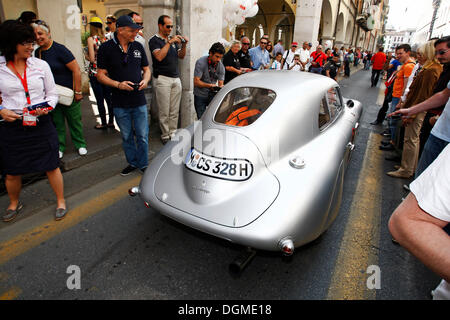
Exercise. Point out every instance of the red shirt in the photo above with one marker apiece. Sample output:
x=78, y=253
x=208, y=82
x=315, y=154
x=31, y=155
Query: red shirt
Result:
x=319, y=58
x=378, y=60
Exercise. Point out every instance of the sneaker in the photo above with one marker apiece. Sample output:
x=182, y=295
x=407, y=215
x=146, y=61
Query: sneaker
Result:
x=82, y=151
x=127, y=170
x=61, y=154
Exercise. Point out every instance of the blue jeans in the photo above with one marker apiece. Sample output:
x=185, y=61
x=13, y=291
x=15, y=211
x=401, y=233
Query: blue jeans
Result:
x=433, y=147
x=200, y=104
x=316, y=70
x=393, y=122
x=102, y=93
x=134, y=122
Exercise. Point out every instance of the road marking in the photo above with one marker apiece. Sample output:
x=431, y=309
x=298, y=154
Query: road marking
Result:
x=11, y=294
x=32, y=238
x=359, y=246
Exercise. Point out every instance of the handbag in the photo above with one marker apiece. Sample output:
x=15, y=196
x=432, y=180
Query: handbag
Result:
x=65, y=95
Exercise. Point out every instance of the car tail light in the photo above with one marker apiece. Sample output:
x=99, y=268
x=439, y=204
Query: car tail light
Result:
x=287, y=247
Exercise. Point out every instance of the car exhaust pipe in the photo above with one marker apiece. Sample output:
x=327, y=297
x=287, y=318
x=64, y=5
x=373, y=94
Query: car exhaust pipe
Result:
x=134, y=191
x=241, y=261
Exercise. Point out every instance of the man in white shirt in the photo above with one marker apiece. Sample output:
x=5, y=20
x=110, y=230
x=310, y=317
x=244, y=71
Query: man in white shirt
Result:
x=304, y=55
x=417, y=224
x=288, y=56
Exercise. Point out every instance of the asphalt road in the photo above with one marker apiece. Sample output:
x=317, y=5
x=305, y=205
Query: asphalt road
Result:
x=125, y=251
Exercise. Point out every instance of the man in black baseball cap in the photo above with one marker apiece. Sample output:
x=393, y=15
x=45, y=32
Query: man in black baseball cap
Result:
x=123, y=65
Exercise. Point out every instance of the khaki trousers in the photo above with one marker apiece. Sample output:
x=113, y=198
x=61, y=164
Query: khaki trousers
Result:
x=411, y=145
x=168, y=96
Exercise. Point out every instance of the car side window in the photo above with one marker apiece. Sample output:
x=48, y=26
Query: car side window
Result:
x=324, y=113
x=334, y=101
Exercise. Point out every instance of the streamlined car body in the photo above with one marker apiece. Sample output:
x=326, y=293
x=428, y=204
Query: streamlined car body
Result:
x=264, y=167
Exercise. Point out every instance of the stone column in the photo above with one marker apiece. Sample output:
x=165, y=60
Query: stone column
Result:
x=63, y=17
x=307, y=21
x=201, y=22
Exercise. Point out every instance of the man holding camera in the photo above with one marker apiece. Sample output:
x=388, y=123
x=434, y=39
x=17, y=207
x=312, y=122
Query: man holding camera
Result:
x=122, y=64
x=166, y=51
x=209, y=76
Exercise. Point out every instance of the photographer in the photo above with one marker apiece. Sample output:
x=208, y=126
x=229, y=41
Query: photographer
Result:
x=209, y=75
x=123, y=65
x=296, y=65
x=166, y=51
x=332, y=67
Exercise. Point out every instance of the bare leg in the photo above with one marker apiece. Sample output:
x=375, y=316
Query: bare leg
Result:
x=422, y=235
x=56, y=182
x=13, y=185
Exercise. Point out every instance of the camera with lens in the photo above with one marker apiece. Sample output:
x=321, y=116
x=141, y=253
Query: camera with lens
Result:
x=135, y=86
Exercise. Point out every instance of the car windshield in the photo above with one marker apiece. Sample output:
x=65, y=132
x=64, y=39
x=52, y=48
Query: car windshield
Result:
x=243, y=106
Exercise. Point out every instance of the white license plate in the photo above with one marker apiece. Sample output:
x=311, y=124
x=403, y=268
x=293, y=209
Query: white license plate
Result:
x=221, y=168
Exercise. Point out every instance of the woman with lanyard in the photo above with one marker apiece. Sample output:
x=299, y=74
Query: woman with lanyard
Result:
x=27, y=144
x=66, y=73
x=101, y=91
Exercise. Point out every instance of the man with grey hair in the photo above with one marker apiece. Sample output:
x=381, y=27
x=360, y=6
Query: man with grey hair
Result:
x=244, y=56
x=231, y=62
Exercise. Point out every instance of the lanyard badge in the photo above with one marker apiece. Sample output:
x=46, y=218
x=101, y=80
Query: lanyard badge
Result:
x=28, y=119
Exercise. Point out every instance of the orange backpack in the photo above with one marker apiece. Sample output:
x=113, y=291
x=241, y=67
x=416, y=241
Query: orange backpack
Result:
x=239, y=117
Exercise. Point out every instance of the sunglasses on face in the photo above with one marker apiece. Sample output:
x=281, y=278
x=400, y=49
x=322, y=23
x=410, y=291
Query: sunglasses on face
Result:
x=139, y=23
x=441, y=52
x=245, y=43
x=168, y=26
x=263, y=43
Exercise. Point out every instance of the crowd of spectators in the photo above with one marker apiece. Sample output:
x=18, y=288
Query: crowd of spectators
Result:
x=35, y=71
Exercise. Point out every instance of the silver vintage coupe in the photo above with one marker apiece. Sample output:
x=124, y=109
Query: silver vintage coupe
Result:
x=265, y=165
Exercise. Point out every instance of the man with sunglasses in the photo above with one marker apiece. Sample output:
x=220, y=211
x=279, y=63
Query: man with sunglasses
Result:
x=260, y=56
x=244, y=57
x=442, y=51
x=138, y=20
x=288, y=57
x=111, y=25
x=122, y=64
x=166, y=50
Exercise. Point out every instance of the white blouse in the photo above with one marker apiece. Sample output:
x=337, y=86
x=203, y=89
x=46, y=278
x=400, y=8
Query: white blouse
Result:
x=41, y=85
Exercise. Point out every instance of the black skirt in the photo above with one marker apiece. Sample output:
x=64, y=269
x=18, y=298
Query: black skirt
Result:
x=25, y=149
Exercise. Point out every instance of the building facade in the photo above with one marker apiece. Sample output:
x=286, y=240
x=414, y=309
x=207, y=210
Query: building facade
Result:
x=393, y=39
x=348, y=23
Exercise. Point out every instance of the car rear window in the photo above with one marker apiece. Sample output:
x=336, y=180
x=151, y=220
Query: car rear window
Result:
x=243, y=106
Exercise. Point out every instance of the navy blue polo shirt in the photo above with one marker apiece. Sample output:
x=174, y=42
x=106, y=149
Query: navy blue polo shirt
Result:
x=57, y=56
x=123, y=66
x=169, y=65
